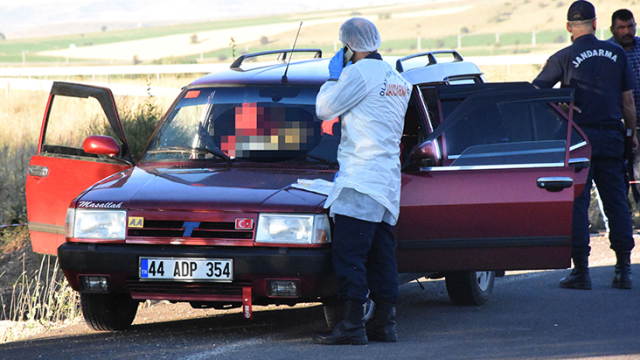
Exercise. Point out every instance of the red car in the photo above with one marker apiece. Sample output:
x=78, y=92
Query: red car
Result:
x=225, y=205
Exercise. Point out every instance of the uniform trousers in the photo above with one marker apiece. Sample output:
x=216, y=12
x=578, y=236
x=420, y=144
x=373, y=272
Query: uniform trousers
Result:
x=364, y=260
x=607, y=170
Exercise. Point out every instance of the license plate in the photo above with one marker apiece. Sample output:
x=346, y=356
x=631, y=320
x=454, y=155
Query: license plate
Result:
x=178, y=269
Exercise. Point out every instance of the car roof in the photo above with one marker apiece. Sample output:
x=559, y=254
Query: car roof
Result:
x=423, y=69
x=305, y=72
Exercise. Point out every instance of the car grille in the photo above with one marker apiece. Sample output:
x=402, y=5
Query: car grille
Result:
x=204, y=230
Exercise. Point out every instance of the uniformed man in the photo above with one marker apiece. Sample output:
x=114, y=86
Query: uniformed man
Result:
x=372, y=99
x=603, y=82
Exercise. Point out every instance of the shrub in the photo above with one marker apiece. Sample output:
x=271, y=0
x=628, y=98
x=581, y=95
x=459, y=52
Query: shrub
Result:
x=264, y=40
x=138, y=121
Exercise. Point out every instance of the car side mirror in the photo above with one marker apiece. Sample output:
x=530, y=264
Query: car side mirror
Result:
x=101, y=145
x=426, y=154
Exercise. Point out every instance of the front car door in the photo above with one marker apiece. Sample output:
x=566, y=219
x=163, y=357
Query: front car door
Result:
x=497, y=192
x=61, y=169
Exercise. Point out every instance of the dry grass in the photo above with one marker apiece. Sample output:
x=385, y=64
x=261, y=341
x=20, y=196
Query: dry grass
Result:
x=21, y=115
x=507, y=73
x=39, y=301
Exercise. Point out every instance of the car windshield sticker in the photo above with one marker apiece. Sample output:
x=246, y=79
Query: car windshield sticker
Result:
x=192, y=94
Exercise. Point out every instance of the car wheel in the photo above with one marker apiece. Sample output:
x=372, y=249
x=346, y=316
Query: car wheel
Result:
x=108, y=312
x=470, y=287
x=334, y=311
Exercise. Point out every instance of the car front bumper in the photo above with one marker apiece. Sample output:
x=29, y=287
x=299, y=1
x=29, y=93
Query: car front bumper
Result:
x=253, y=267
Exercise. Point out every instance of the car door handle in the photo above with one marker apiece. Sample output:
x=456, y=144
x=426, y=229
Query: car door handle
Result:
x=554, y=184
x=579, y=163
x=37, y=170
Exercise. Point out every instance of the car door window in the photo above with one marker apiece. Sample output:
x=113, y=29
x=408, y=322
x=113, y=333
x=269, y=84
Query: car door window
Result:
x=66, y=130
x=500, y=129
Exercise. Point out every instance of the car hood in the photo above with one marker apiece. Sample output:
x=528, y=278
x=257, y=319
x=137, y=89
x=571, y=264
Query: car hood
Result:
x=232, y=189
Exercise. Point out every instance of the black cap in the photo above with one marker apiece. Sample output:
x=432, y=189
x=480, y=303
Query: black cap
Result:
x=581, y=10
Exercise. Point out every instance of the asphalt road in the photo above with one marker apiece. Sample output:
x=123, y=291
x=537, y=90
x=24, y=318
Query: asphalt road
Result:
x=527, y=317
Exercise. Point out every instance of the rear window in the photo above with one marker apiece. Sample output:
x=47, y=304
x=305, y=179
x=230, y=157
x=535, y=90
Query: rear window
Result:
x=261, y=123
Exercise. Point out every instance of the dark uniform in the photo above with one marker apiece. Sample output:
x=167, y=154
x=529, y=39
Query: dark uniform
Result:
x=599, y=72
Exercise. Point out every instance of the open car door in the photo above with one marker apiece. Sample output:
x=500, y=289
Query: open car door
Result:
x=61, y=170
x=495, y=181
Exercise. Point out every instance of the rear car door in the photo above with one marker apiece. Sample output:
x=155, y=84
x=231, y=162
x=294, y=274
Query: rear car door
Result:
x=497, y=190
x=61, y=169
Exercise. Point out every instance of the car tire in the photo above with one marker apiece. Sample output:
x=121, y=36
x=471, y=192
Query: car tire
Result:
x=108, y=312
x=334, y=311
x=470, y=287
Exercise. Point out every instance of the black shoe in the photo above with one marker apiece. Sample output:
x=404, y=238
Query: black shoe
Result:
x=579, y=277
x=622, y=277
x=382, y=327
x=349, y=331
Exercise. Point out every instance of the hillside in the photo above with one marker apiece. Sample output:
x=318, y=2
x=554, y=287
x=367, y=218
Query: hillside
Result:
x=486, y=27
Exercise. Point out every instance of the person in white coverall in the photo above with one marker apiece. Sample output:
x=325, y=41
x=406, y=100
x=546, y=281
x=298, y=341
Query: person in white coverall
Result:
x=372, y=99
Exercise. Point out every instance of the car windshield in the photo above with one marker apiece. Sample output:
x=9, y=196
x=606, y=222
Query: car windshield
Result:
x=251, y=123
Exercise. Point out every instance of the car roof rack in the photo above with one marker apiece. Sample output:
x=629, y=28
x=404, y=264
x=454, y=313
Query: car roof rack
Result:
x=431, y=57
x=282, y=57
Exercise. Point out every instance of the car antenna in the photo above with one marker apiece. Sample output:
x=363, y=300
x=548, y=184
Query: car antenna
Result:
x=284, y=77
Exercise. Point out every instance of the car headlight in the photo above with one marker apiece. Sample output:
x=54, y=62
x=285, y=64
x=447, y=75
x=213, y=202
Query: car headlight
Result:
x=96, y=224
x=293, y=229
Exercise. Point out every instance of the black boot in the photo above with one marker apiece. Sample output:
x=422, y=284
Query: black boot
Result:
x=382, y=327
x=579, y=277
x=348, y=331
x=622, y=278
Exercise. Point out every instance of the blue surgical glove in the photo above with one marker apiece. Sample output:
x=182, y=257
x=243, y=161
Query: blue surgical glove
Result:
x=335, y=65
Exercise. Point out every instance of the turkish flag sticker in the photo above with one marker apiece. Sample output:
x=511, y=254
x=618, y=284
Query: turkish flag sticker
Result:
x=244, y=224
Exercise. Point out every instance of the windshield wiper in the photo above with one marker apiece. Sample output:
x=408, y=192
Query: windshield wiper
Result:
x=219, y=154
x=320, y=159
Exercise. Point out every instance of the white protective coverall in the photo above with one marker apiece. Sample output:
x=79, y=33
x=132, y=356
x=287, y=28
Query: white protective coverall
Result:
x=372, y=98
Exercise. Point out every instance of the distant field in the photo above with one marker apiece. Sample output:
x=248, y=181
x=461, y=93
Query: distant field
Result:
x=11, y=50
x=487, y=27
